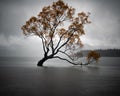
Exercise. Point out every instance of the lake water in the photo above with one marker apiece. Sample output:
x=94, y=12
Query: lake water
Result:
x=21, y=77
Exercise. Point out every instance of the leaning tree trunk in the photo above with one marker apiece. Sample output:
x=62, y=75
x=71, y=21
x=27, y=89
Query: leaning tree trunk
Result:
x=40, y=63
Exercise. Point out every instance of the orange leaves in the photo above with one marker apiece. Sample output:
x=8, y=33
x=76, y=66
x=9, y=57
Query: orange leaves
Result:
x=33, y=19
x=51, y=34
x=25, y=29
x=45, y=25
x=59, y=4
x=45, y=9
x=84, y=17
x=61, y=31
x=82, y=14
x=75, y=40
x=93, y=55
x=77, y=27
x=30, y=26
x=59, y=8
x=51, y=18
x=53, y=15
x=78, y=23
x=40, y=14
x=39, y=21
x=65, y=7
x=70, y=13
x=27, y=23
x=34, y=28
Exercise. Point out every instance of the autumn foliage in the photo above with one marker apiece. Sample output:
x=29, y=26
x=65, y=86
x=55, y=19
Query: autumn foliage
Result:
x=57, y=37
x=93, y=56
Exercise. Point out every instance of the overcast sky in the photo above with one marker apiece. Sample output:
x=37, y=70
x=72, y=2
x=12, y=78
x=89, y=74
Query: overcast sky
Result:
x=103, y=32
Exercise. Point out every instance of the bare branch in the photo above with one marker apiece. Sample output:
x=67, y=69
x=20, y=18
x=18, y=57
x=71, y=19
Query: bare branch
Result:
x=66, y=60
x=53, y=30
x=60, y=40
x=65, y=54
x=64, y=43
x=43, y=44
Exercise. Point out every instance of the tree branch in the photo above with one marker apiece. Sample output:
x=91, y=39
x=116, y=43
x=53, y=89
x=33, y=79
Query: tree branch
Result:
x=60, y=40
x=63, y=44
x=73, y=62
x=65, y=60
x=43, y=44
x=53, y=30
x=65, y=54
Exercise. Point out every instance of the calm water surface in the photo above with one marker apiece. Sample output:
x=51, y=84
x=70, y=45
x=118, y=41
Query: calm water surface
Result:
x=21, y=77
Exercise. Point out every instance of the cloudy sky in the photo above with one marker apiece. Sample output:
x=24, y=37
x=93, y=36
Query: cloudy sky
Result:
x=103, y=32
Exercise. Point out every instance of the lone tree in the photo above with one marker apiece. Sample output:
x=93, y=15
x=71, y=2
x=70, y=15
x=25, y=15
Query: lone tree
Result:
x=55, y=36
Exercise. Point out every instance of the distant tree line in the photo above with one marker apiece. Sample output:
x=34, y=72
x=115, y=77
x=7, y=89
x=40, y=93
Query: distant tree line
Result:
x=105, y=52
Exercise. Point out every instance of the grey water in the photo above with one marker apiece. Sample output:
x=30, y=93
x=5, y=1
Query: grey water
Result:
x=21, y=77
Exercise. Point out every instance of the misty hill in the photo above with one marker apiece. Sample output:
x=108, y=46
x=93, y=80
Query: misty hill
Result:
x=106, y=52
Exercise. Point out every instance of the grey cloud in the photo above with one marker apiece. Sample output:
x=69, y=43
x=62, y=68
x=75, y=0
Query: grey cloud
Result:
x=14, y=13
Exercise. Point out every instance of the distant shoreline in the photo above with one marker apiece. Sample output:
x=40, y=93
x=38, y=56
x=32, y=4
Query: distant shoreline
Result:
x=105, y=52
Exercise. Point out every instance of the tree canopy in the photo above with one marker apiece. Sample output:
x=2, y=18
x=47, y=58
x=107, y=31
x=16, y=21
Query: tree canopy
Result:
x=57, y=37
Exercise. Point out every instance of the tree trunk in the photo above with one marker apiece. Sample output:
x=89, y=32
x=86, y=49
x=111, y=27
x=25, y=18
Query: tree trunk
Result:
x=40, y=63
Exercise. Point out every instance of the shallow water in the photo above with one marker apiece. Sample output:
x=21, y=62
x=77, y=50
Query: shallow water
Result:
x=21, y=77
